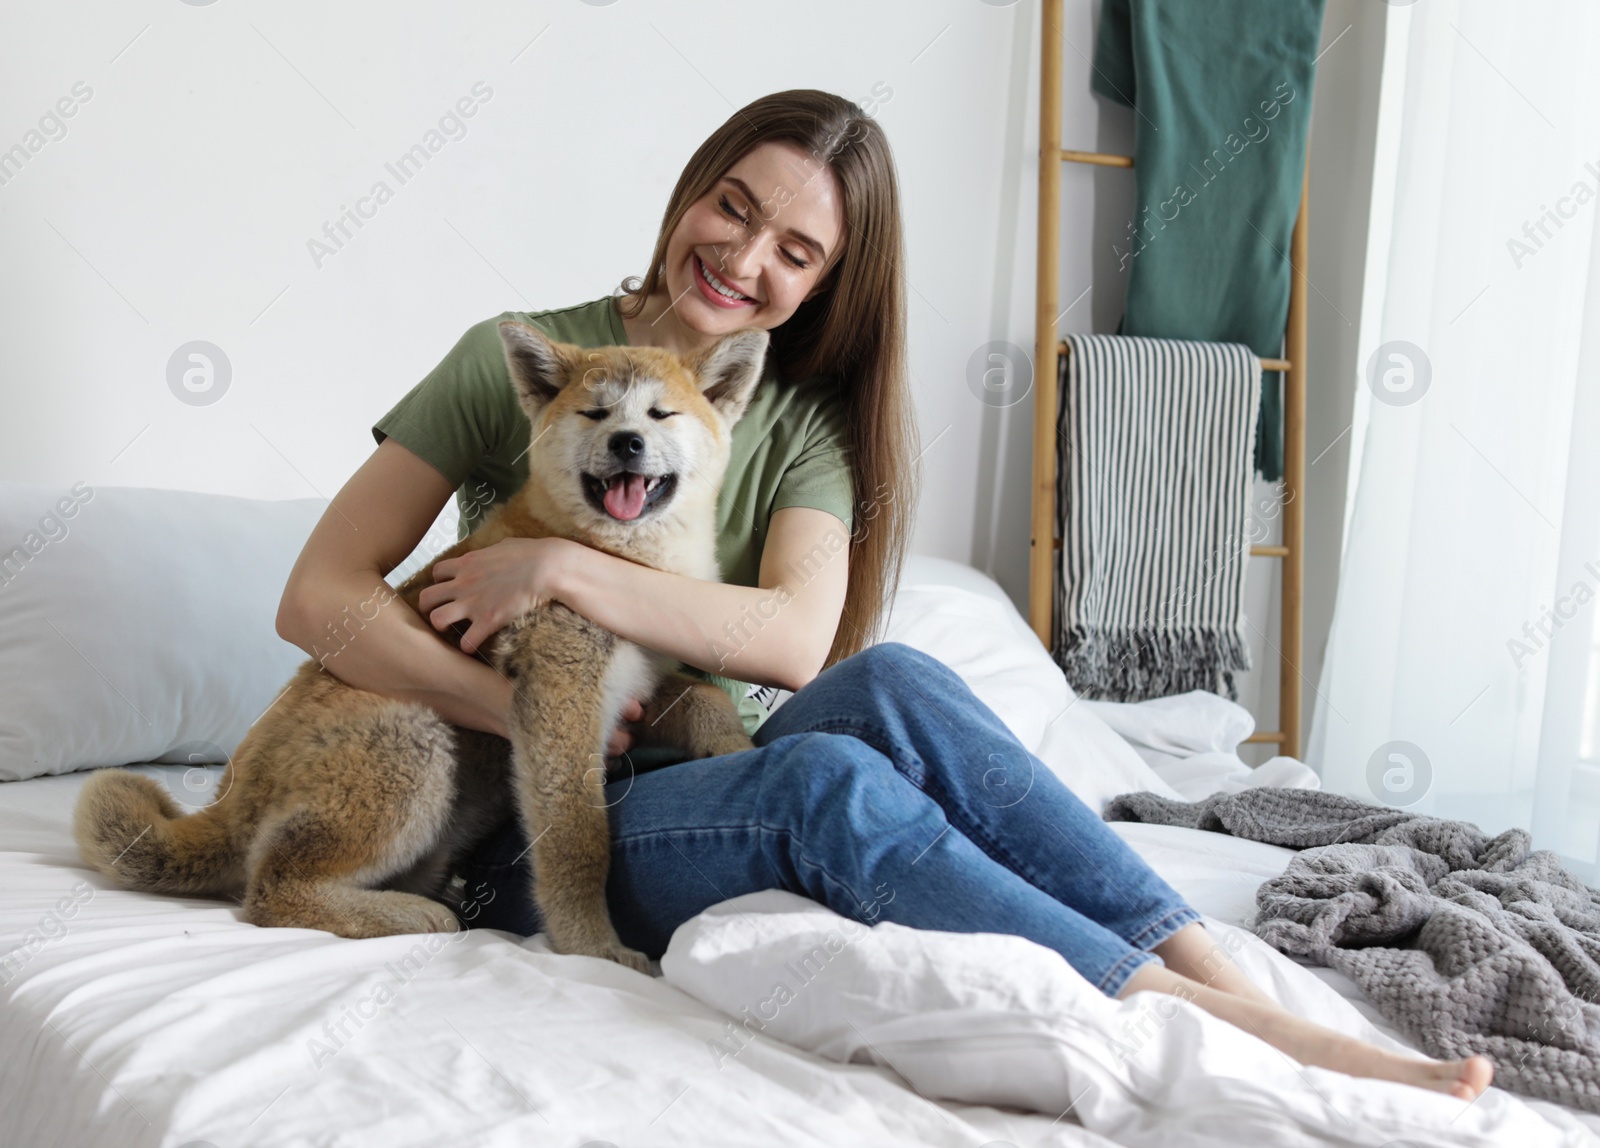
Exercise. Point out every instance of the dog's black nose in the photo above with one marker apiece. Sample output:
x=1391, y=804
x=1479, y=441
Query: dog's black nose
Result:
x=627, y=444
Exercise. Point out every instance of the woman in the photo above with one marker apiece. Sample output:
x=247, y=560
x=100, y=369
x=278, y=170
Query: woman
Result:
x=872, y=790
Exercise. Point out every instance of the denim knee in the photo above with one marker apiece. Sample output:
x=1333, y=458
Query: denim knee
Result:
x=897, y=654
x=820, y=773
x=897, y=667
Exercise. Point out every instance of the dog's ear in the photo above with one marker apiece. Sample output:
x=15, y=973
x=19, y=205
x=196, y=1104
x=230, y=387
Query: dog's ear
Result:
x=730, y=370
x=538, y=366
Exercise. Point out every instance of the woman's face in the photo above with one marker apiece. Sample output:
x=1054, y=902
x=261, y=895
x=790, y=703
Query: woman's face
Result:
x=767, y=231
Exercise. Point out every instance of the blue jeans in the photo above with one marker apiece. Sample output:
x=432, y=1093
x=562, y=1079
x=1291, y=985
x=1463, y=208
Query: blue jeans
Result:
x=885, y=790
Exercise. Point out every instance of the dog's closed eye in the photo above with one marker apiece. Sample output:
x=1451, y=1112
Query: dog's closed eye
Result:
x=660, y=414
x=597, y=414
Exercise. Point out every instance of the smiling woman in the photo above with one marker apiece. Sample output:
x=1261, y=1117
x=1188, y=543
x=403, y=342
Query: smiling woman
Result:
x=788, y=218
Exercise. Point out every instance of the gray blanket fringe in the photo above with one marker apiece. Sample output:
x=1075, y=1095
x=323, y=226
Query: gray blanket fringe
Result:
x=1115, y=665
x=1469, y=944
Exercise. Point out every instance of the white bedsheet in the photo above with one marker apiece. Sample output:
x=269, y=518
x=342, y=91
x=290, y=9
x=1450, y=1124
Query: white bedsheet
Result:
x=142, y=1020
x=159, y=1021
x=136, y=1020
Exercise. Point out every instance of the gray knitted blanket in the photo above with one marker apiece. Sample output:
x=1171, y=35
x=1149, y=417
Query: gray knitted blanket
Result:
x=1468, y=944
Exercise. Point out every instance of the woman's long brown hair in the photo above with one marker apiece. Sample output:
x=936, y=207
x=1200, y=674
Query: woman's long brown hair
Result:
x=853, y=329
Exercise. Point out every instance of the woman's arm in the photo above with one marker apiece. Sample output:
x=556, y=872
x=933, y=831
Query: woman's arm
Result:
x=777, y=633
x=376, y=641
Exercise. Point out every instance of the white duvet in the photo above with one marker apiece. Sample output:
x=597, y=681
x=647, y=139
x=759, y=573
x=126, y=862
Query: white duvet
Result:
x=990, y=1019
x=130, y=1019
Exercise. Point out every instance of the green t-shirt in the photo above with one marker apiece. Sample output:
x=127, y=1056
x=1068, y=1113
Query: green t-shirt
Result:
x=789, y=449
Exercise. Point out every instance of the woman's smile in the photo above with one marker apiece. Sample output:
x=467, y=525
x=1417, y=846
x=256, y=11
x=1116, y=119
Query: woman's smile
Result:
x=717, y=291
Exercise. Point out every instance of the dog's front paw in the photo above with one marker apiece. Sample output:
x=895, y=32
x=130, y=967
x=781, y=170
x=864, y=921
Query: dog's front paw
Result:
x=628, y=958
x=612, y=950
x=608, y=948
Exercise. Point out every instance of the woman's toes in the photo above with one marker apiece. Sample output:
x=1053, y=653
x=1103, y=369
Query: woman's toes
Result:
x=1466, y=1079
x=1476, y=1073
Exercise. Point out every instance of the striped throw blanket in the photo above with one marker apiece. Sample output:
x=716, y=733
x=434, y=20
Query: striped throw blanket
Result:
x=1153, y=484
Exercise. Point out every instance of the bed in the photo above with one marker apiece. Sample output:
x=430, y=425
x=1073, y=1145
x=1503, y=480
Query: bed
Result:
x=133, y=1019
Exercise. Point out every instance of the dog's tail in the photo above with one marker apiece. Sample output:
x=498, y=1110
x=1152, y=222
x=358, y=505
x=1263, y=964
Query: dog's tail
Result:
x=130, y=828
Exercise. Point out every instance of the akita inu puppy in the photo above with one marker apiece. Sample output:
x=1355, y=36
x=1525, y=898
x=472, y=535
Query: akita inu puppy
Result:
x=344, y=810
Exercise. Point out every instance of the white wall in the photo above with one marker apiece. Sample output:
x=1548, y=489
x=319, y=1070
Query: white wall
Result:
x=219, y=138
x=180, y=202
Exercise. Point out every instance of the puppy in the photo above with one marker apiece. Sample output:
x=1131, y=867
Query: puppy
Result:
x=344, y=810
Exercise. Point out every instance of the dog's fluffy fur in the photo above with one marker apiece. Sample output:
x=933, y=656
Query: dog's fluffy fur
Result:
x=344, y=810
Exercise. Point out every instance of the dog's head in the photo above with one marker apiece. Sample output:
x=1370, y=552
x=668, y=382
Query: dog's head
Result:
x=626, y=438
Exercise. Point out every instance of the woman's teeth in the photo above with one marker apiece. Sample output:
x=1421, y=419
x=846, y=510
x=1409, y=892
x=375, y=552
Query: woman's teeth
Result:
x=718, y=285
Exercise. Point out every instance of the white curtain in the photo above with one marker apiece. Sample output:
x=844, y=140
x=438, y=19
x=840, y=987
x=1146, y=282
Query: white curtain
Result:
x=1463, y=670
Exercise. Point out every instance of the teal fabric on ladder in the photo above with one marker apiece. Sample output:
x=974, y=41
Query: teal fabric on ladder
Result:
x=1221, y=91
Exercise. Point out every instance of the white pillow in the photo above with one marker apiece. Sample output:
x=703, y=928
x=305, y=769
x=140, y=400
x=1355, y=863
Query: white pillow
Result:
x=981, y=636
x=926, y=570
x=1199, y=777
x=1167, y=729
x=1095, y=762
x=1008, y=669
x=139, y=625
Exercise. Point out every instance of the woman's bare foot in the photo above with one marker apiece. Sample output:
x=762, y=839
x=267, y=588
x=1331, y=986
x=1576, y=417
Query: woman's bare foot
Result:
x=1463, y=1079
x=1311, y=1044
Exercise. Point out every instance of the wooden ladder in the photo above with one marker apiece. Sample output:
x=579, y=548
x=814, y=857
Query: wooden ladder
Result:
x=1044, y=561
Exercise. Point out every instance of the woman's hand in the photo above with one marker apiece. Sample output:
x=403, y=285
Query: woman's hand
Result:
x=496, y=585
x=621, y=740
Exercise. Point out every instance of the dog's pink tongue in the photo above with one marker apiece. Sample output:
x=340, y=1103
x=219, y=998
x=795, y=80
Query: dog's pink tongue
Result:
x=625, y=497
